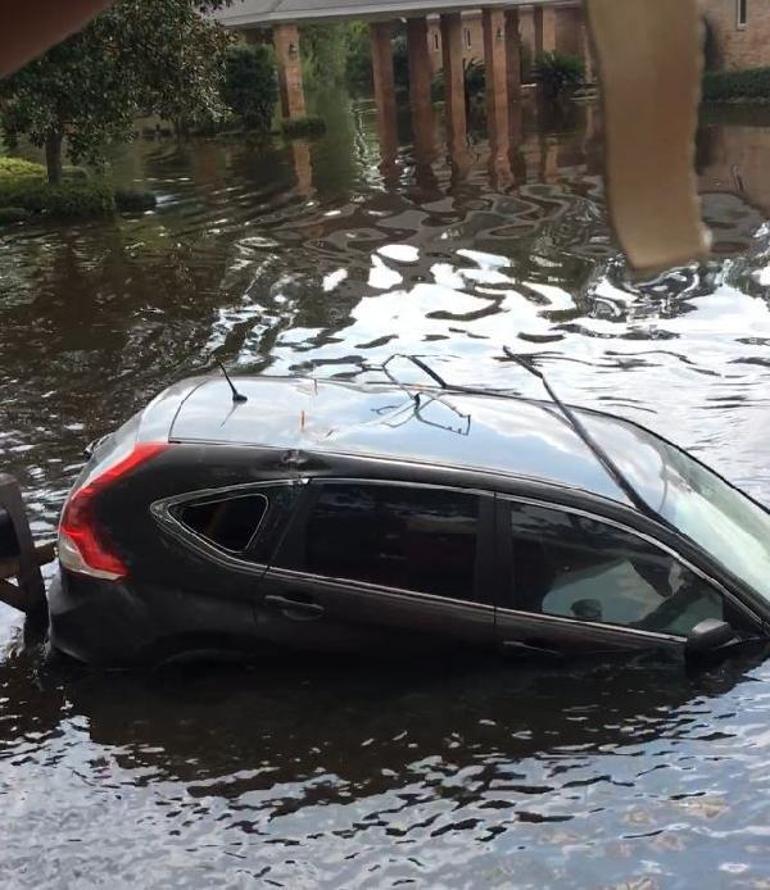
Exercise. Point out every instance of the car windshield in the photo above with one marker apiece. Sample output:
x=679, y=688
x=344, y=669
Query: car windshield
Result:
x=719, y=518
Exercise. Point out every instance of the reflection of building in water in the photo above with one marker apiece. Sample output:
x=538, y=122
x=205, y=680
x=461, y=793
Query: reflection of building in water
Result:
x=735, y=159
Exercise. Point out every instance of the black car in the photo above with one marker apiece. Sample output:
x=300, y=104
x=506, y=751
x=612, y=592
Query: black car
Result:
x=298, y=514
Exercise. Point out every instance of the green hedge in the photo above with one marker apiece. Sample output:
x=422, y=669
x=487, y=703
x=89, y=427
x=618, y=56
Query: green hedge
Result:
x=25, y=191
x=17, y=167
x=91, y=197
x=721, y=86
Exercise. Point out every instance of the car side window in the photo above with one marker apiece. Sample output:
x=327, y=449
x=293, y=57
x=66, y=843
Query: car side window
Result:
x=247, y=523
x=571, y=566
x=411, y=538
x=229, y=522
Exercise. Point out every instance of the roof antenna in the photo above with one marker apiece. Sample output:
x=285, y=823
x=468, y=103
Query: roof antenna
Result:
x=237, y=396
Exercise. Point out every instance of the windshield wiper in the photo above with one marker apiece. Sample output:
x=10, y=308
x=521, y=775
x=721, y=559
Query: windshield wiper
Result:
x=612, y=469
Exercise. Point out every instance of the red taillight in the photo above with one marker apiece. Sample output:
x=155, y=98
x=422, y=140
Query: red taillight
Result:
x=82, y=546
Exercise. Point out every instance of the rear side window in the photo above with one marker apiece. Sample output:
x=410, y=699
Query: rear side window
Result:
x=229, y=523
x=410, y=538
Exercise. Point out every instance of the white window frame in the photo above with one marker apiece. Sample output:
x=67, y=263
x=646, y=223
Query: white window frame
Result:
x=741, y=14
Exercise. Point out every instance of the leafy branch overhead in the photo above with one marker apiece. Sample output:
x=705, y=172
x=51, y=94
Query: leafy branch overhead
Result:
x=139, y=57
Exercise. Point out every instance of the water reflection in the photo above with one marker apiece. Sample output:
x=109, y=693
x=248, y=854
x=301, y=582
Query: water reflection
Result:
x=316, y=256
x=301, y=777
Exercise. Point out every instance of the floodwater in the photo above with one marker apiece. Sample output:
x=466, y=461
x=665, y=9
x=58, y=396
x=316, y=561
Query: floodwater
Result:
x=318, y=257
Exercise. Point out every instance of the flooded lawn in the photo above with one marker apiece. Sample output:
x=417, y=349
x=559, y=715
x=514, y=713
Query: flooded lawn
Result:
x=318, y=257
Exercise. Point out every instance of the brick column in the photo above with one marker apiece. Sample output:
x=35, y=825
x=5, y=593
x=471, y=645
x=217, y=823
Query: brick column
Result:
x=515, y=123
x=513, y=54
x=420, y=78
x=384, y=89
x=587, y=53
x=496, y=76
x=303, y=168
x=286, y=42
x=549, y=159
x=454, y=80
x=545, y=30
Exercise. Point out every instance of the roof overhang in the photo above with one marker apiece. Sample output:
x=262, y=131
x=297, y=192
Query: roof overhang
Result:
x=254, y=13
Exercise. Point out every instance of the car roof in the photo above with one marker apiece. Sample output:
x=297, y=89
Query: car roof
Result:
x=485, y=432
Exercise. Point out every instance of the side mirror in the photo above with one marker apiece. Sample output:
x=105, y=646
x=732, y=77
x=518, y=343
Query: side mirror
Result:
x=709, y=637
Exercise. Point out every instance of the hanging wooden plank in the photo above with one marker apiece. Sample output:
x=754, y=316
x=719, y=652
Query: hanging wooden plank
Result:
x=649, y=56
x=44, y=553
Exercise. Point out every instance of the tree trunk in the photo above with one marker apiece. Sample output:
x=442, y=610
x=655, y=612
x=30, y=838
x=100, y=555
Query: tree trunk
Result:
x=53, y=143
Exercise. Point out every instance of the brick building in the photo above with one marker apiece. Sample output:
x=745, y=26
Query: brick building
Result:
x=564, y=31
x=739, y=33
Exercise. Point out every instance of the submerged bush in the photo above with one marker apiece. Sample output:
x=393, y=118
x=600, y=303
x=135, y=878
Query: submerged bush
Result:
x=25, y=191
x=557, y=73
x=13, y=215
x=722, y=86
x=134, y=201
x=250, y=88
x=297, y=127
x=92, y=197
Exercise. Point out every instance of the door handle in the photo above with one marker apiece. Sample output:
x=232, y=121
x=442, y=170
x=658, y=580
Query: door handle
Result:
x=521, y=646
x=305, y=609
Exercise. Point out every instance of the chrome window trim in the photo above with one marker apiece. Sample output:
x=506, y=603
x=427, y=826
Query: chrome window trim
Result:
x=161, y=512
x=649, y=539
x=401, y=483
x=369, y=587
x=594, y=625
x=415, y=464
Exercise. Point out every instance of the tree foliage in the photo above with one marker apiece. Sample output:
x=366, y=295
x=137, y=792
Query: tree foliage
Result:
x=250, y=87
x=138, y=57
x=358, y=56
x=324, y=51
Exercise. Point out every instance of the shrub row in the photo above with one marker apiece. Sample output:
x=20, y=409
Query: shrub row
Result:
x=17, y=167
x=25, y=191
x=721, y=86
x=91, y=197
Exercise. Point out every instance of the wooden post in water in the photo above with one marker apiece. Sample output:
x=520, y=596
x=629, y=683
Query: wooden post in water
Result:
x=20, y=559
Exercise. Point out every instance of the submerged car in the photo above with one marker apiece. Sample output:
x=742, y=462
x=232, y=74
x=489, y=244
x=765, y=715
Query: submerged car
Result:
x=268, y=514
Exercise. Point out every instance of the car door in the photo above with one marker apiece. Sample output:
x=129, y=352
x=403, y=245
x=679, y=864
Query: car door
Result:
x=574, y=582
x=383, y=567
